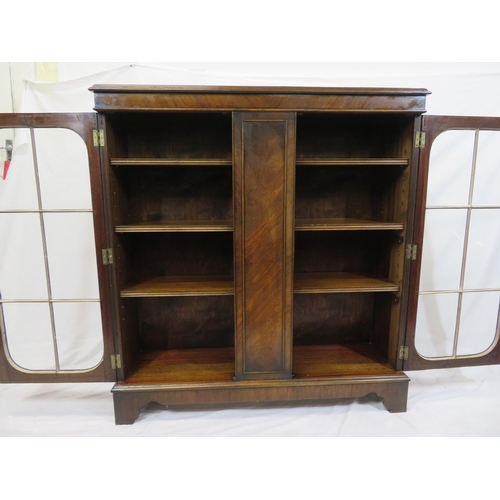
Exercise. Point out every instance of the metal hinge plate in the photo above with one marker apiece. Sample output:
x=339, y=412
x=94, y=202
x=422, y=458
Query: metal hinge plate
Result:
x=411, y=252
x=116, y=361
x=403, y=352
x=98, y=137
x=107, y=256
x=420, y=140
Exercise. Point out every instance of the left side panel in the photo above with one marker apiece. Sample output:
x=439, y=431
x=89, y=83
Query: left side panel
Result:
x=55, y=320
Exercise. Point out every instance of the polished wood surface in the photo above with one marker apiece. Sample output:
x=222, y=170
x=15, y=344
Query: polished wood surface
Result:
x=311, y=224
x=174, y=226
x=124, y=318
x=263, y=198
x=339, y=361
x=81, y=123
x=178, y=286
x=130, y=399
x=197, y=285
x=105, y=103
x=254, y=98
x=159, y=162
x=217, y=365
x=344, y=224
x=199, y=377
x=232, y=89
x=353, y=162
x=340, y=283
x=182, y=366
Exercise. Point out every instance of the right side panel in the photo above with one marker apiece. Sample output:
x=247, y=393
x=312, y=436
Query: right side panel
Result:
x=454, y=304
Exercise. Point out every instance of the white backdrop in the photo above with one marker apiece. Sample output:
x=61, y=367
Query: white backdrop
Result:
x=436, y=397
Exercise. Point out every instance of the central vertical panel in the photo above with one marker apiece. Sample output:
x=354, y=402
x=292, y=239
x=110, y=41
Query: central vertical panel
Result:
x=264, y=172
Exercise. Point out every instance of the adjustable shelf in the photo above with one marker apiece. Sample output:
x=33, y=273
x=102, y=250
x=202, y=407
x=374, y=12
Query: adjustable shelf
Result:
x=175, y=226
x=353, y=162
x=170, y=162
x=340, y=283
x=345, y=224
x=181, y=286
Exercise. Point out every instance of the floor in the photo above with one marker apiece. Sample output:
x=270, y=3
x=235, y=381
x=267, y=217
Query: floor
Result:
x=455, y=402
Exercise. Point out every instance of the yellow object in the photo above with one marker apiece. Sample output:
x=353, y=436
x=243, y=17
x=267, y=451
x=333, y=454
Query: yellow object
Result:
x=47, y=72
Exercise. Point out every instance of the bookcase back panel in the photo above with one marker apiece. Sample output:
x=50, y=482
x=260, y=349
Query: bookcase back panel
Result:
x=345, y=251
x=334, y=321
x=171, y=254
x=171, y=135
x=352, y=192
x=186, y=322
x=339, y=318
x=351, y=136
x=176, y=193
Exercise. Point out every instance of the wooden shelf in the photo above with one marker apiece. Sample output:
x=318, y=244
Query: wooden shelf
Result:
x=354, y=162
x=340, y=283
x=321, y=361
x=175, y=226
x=165, y=162
x=181, y=286
x=218, y=364
x=170, y=162
x=186, y=365
x=342, y=224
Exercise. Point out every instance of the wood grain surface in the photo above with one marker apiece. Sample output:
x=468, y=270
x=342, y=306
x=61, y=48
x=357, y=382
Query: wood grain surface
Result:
x=178, y=286
x=344, y=224
x=263, y=197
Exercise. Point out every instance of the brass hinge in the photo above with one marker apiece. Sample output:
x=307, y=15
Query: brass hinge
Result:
x=420, y=139
x=116, y=361
x=98, y=136
x=107, y=256
x=411, y=252
x=403, y=352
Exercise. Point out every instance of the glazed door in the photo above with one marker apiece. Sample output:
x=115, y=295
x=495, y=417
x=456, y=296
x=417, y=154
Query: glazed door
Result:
x=453, y=317
x=54, y=305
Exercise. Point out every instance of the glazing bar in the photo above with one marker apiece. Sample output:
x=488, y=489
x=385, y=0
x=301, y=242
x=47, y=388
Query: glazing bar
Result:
x=48, y=210
x=454, y=207
x=466, y=243
x=44, y=301
x=471, y=290
x=45, y=253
